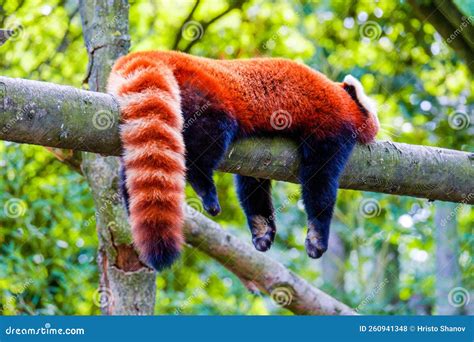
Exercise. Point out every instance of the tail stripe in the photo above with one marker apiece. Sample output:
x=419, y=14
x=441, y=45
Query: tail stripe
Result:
x=154, y=161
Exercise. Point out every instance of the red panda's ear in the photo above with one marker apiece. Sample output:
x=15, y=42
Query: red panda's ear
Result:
x=360, y=96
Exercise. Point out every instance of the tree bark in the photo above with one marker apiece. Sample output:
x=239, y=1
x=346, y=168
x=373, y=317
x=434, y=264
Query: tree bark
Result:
x=284, y=287
x=127, y=287
x=60, y=116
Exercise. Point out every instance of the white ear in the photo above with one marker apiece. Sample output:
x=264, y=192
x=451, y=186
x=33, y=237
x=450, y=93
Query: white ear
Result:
x=364, y=100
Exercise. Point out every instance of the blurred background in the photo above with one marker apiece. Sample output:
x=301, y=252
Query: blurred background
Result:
x=389, y=254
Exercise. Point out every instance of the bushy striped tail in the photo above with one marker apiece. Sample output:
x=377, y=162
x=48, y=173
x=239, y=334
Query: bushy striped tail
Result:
x=153, y=155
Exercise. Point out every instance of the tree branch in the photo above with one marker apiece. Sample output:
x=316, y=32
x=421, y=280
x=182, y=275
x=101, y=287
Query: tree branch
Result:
x=179, y=33
x=65, y=117
x=234, y=5
x=271, y=277
x=451, y=24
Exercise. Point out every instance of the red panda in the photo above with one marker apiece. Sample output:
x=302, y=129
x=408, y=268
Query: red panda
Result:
x=180, y=113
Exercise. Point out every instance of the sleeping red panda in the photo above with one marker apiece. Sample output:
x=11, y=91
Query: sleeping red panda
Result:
x=180, y=113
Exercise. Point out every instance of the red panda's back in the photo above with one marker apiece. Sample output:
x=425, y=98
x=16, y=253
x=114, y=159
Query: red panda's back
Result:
x=272, y=88
x=261, y=91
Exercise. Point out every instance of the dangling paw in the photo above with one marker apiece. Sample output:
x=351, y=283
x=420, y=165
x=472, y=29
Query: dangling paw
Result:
x=211, y=205
x=315, y=243
x=263, y=232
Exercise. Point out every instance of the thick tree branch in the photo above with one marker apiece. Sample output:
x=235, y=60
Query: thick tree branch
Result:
x=271, y=277
x=65, y=117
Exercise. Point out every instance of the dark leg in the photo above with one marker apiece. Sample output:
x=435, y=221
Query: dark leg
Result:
x=321, y=165
x=206, y=140
x=123, y=187
x=255, y=198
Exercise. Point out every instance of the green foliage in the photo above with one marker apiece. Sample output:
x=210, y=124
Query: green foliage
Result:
x=47, y=260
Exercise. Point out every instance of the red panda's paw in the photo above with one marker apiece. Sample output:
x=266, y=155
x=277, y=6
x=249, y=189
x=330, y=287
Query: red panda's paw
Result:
x=315, y=250
x=262, y=244
x=263, y=232
x=213, y=209
x=315, y=243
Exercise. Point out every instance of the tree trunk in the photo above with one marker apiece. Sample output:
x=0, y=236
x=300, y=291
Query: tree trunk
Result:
x=127, y=287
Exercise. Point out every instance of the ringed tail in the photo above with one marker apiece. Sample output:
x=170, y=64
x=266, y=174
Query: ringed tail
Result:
x=153, y=154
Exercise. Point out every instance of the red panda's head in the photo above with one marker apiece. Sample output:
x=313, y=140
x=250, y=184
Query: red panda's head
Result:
x=369, y=125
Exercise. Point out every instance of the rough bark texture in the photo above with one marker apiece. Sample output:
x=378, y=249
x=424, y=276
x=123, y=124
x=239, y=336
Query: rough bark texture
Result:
x=271, y=277
x=127, y=287
x=60, y=116
x=448, y=273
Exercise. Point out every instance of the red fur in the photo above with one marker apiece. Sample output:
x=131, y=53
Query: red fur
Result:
x=153, y=151
x=314, y=102
x=148, y=86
